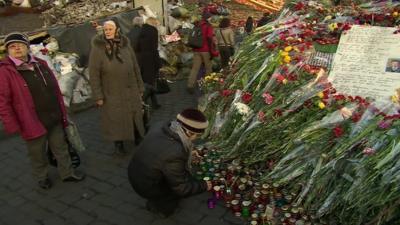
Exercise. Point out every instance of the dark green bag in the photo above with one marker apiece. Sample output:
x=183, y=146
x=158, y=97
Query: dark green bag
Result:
x=162, y=86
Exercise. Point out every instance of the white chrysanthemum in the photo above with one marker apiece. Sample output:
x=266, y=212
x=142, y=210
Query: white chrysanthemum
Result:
x=242, y=109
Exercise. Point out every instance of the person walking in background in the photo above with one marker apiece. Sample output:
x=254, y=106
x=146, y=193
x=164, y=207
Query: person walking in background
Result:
x=249, y=25
x=264, y=20
x=202, y=55
x=226, y=41
x=160, y=171
x=134, y=33
x=149, y=59
x=31, y=105
x=117, y=86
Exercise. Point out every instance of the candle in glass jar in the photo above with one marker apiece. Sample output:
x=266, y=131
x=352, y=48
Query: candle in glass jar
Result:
x=246, y=209
x=275, y=187
x=211, y=203
x=254, y=217
x=295, y=213
x=199, y=175
x=254, y=222
x=209, y=163
x=242, y=187
x=287, y=217
x=256, y=196
x=235, y=206
x=292, y=221
x=264, y=196
x=261, y=207
x=217, y=192
x=203, y=166
x=288, y=198
x=238, y=196
x=223, y=173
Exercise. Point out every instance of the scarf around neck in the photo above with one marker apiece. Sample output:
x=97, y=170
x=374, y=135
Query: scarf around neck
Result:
x=186, y=142
x=113, y=47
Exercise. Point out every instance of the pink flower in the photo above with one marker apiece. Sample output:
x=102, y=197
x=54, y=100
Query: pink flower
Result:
x=268, y=98
x=279, y=77
x=369, y=151
x=261, y=116
x=384, y=124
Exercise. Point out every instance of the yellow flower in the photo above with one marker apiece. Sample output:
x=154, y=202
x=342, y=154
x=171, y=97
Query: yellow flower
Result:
x=328, y=18
x=395, y=14
x=395, y=99
x=332, y=26
x=288, y=48
x=321, y=105
x=295, y=48
x=284, y=81
x=284, y=53
x=207, y=78
x=320, y=94
x=216, y=79
x=287, y=59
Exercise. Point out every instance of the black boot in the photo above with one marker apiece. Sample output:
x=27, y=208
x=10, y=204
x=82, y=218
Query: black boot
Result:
x=119, y=148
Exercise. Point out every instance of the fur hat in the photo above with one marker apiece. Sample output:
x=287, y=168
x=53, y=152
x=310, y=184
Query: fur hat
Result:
x=193, y=120
x=16, y=37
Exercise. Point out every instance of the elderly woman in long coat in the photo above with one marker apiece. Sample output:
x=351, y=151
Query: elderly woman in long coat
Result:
x=117, y=86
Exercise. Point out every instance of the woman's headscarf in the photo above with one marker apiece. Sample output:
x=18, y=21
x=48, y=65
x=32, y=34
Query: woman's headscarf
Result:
x=114, y=45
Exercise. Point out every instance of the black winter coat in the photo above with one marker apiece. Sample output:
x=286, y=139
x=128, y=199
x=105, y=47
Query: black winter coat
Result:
x=158, y=167
x=133, y=36
x=149, y=59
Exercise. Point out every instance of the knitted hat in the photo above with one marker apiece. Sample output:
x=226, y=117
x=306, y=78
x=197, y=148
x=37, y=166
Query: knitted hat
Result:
x=16, y=37
x=193, y=120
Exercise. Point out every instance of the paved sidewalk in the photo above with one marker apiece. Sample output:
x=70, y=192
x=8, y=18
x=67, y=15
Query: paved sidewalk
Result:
x=105, y=197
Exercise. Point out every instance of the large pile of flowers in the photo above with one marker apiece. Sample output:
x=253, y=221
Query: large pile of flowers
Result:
x=287, y=148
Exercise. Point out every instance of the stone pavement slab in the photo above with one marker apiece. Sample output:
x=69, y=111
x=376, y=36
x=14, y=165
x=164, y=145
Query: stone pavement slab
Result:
x=105, y=197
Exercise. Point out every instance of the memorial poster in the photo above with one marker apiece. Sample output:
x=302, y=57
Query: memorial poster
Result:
x=367, y=62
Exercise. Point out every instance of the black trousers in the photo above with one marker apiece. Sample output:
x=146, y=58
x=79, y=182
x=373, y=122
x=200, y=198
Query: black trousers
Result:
x=150, y=94
x=166, y=204
x=160, y=197
x=225, y=53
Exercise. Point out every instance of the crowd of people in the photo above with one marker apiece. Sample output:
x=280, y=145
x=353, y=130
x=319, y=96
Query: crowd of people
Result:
x=123, y=70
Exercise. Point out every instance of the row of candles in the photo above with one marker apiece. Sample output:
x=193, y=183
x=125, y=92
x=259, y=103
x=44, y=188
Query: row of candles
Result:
x=259, y=204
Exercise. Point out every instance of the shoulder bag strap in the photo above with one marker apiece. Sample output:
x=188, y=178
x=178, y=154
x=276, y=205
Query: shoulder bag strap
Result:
x=223, y=38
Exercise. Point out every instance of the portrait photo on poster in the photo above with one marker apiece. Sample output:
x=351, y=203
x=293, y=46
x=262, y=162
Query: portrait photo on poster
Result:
x=393, y=65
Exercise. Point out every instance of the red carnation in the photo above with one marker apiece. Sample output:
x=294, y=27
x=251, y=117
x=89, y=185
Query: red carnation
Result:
x=339, y=97
x=246, y=97
x=292, y=77
x=356, y=117
x=226, y=93
x=299, y=6
x=338, y=131
x=346, y=26
x=278, y=112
